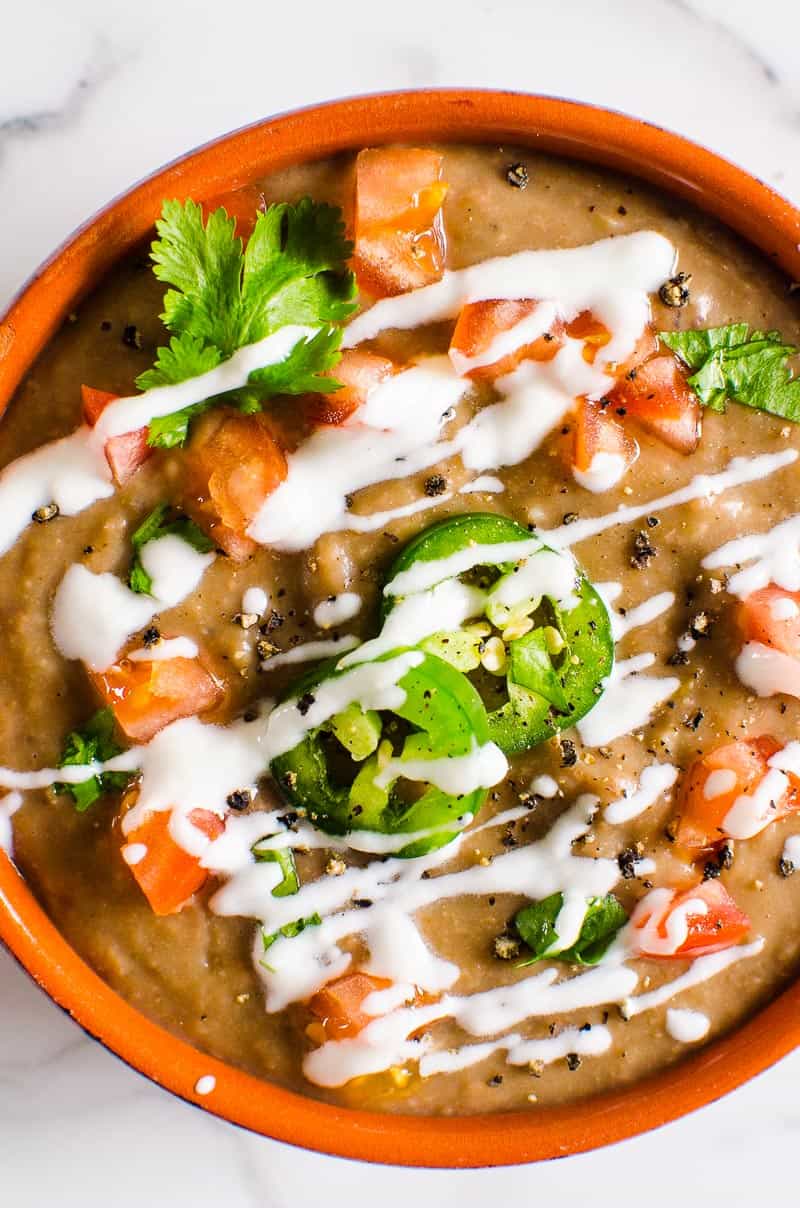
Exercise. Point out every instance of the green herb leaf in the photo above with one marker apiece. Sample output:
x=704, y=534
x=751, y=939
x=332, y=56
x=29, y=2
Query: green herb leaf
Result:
x=733, y=363
x=536, y=925
x=288, y=931
x=157, y=525
x=224, y=296
x=94, y=742
x=282, y=856
x=531, y=666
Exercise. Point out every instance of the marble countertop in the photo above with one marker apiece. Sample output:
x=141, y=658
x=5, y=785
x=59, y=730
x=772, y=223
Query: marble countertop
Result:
x=94, y=95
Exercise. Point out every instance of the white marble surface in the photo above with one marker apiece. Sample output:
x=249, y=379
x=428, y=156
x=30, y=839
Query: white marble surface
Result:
x=97, y=93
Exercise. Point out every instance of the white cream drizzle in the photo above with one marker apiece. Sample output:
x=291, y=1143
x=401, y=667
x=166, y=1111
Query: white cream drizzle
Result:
x=633, y=618
x=95, y=614
x=166, y=648
x=519, y=1051
x=687, y=1027
x=309, y=651
x=774, y=557
x=484, y=483
x=604, y=472
x=255, y=601
x=628, y=701
x=701, y=970
x=8, y=808
x=654, y=780
x=336, y=609
x=768, y=672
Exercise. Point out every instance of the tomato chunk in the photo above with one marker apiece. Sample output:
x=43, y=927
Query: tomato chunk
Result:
x=601, y=449
x=360, y=373
x=718, y=779
x=233, y=462
x=126, y=453
x=682, y=926
x=656, y=395
x=147, y=696
x=339, y=1004
x=489, y=338
x=166, y=874
x=242, y=204
x=595, y=335
x=399, y=234
x=772, y=616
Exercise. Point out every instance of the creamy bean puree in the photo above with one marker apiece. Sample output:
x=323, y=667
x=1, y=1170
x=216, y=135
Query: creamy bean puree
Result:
x=402, y=649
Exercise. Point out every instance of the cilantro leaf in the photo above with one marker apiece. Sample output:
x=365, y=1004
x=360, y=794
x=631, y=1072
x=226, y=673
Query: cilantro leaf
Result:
x=734, y=363
x=94, y=742
x=288, y=931
x=157, y=525
x=536, y=925
x=225, y=296
x=186, y=356
x=290, y=882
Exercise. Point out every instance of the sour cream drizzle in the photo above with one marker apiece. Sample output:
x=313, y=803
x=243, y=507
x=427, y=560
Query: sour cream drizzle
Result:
x=655, y=779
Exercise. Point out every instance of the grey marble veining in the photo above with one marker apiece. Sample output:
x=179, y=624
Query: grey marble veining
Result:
x=92, y=97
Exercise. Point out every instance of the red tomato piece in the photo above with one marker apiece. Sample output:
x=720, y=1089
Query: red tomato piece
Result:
x=242, y=204
x=595, y=335
x=126, y=453
x=595, y=431
x=147, y=696
x=481, y=324
x=399, y=235
x=339, y=1004
x=737, y=768
x=656, y=395
x=686, y=925
x=166, y=874
x=772, y=616
x=232, y=463
x=360, y=373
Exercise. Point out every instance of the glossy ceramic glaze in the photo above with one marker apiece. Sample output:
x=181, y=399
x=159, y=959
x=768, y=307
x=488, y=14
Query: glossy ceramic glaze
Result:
x=583, y=132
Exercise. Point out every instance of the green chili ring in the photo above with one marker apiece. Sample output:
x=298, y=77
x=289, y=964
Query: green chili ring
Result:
x=572, y=680
x=444, y=717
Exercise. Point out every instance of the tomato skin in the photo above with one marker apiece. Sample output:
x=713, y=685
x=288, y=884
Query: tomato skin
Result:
x=722, y=926
x=232, y=463
x=242, y=204
x=480, y=323
x=360, y=372
x=701, y=818
x=656, y=395
x=596, y=431
x=339, y=1003
x=399, y=235
x=595, y=335
x=167, y=875
x=147, y=696
x=124, y=454
x=757, y=620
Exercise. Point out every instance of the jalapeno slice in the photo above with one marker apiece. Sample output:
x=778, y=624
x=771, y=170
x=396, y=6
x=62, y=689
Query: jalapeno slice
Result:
x=538, y=657
x=365, y=770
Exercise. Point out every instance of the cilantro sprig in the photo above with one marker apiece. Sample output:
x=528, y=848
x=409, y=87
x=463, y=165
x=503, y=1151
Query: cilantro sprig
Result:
x=224, y=296
x=162, y=522
x=288, y=932
x=536, y=925
x=735, y=363
x=94, y=742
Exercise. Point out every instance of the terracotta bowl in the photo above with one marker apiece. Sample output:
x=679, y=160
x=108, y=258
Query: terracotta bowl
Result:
x=584, y=133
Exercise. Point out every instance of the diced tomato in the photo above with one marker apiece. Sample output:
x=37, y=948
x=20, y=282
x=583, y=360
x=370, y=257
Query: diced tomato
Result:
x=715, y=781
x=595, y=335
x=595, y=431
x=772, y=616
x=126, y=453
x=233, y=462
x=360, y=373
x=656, y=395
x=481, y=325
x=399, y=235
x=242, y=204
x=166, y=874
x=146, y=696
x=667, y=927
x=646, y=346
x=339, y=1004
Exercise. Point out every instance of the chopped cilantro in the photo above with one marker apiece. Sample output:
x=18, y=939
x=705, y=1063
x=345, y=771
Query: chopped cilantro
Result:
x=282, y=856
x=225, y=296
x=94, y=742
x=153, y=527
x=288, y=931
x=536, y=925
x=732, y=362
